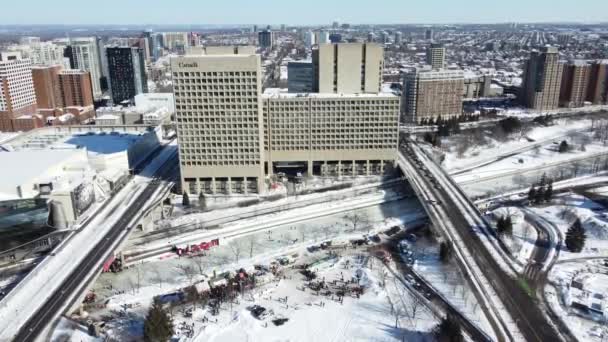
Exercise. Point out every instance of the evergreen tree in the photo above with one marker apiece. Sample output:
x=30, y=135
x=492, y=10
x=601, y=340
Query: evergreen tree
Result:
x=549, y=192
x=575, y=237
x=185, y=200
x=448, y=330
x=508, y=225
x=563, y=146
x=500, y=225
x=532, y=194
x=543, y=180
x=540, y=195
x=158, y=326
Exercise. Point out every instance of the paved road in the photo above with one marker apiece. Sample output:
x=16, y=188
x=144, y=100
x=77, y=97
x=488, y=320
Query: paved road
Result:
x=81, y=275
x=529, y=318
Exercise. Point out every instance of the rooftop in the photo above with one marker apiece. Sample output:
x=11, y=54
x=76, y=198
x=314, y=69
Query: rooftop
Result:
x=281, y=93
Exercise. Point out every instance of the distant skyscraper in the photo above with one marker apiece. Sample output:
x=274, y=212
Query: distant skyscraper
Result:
x=175, y=41
x=371, y=37
x=429, y=94
x=335, y=66
x=335, y=38
x=384, y=38
x=266, y=39
x=300, y=77
x=323, y=37
x=17, y=96
x=428, y=34
x=435, y=56
x=127, y=71
x=82, y=53
x=398, y=37
x=575, y=83
x=542, y=80
x=335, y=25
x=309, y=39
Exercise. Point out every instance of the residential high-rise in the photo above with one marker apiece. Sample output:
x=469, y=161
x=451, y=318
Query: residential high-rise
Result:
x=266, y=39
x=309, y=39
x=575, y=82
x=47, y=54
x=75, y=88
x=46, y=86
x=219, y=122
x=323, y=37
x=300, y=77
x=371, y=37
x=542, y=80
x=348, y=68
x=598, y=82
x=83, y=55
x=175, y=41
x=17, y=96
x=127, y=70
x=429, y=94
x=435, y=56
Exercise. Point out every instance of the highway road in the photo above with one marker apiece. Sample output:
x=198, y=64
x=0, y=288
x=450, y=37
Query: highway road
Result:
x=78, y=279
x=529, y=318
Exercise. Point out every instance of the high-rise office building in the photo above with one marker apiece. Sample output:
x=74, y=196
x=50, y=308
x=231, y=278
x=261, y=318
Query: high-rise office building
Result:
x=435, y=56
x=335, y=38
x=46, y=86
x=429, y=94
x=17, y=96
x=266, y=39
x=428, y=34
x=598, y=82
x=231, y=136
x=75, y=88
x=542, y=80
x=575, y=83
x=348, y=68
x=300, y=77
x=219, y=122
x=83, y=55
x=127, y=70
x=398, y=37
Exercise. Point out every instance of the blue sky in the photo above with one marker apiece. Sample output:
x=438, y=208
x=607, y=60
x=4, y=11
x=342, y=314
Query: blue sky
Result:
x=298, y=12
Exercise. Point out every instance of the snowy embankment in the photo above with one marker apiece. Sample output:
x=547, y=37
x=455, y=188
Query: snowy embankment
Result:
x=268, y=222
x=479, y=155
x=36, y=288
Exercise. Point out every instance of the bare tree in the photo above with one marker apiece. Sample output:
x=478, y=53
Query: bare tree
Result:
x=187, y=271
x=358, y=221
x=252, y=242
x=159, y=278
x=236, y=249
x=382, y=275
x=303, y=234
x=201, y=263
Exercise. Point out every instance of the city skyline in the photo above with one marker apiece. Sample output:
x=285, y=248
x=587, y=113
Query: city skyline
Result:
x=156, y=12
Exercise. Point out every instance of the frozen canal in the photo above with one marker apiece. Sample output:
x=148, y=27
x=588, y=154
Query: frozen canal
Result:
x=140, y=283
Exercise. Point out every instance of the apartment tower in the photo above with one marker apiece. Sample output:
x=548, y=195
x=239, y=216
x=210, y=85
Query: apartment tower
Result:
x=435, y=56
x=429, y=94
x=17, y=96
x=127, y=71
x=542, y=80
x=76, y=89
x=575, y=82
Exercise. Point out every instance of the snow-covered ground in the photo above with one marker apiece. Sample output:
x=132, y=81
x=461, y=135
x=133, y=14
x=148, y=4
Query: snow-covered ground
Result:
x=481, y=153
x=368, y=318
x=523, y=239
